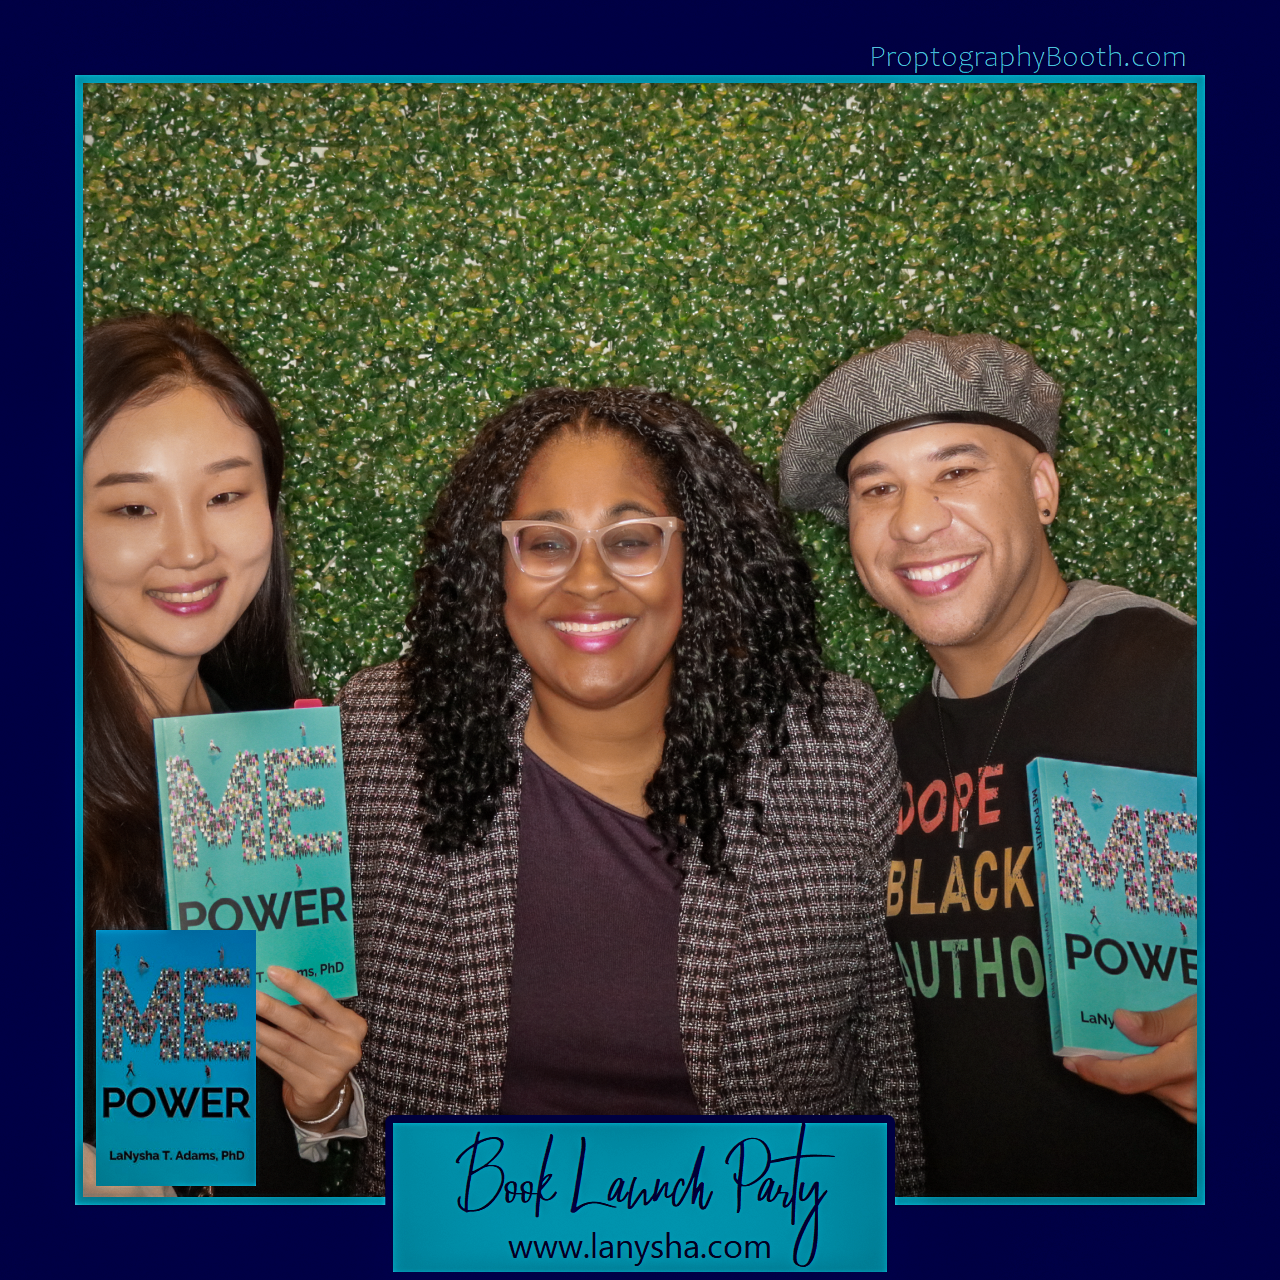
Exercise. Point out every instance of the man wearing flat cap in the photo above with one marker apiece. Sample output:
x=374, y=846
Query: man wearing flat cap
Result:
x=938, y=454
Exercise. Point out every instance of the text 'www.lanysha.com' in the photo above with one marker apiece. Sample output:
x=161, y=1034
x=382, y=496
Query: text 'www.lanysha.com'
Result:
x=639, y=1250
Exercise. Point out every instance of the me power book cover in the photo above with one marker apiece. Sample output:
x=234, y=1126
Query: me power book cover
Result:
x=1117, y=857
x=175, y=1058
x=253, y=813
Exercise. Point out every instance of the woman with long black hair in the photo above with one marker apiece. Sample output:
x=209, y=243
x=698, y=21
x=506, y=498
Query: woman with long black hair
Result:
x=188, y=611
x=620, y=845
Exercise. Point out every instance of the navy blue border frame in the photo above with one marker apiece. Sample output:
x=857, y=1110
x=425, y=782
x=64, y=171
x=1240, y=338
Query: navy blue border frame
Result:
x=852, y=79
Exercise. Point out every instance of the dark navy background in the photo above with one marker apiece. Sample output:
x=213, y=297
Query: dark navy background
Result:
x=49, y=47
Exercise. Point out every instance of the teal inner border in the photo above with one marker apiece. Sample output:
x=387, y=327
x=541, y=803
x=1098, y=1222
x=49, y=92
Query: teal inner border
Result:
x=1198, y=80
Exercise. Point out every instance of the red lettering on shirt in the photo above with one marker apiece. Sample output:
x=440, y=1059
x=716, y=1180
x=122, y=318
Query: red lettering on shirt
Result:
x=936, y=788
x=987, y=794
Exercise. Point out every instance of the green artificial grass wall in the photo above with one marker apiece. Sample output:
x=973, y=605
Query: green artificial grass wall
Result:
x=396, y=261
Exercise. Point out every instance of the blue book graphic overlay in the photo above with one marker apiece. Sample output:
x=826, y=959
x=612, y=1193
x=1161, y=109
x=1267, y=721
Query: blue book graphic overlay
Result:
x=175, y=1058
x=1116, y=864
x=253, y=812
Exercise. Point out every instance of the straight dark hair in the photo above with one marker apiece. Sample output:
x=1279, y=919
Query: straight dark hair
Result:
x=132, y=361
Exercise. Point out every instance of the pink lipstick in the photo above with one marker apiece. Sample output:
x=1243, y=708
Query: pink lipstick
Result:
x=592, y=632
x=187, y=598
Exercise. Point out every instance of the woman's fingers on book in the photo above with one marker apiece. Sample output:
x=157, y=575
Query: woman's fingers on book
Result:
x=340, y=1030
x=305, y=1091
x=328, y=1061
x=310, y=993
x=312, y=1072
x=314, y=999
x=275, y=1060
x=312, y=1053
x=1157, y=1026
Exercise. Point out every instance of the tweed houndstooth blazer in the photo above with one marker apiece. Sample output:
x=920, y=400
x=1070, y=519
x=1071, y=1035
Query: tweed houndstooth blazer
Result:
x=791, y=1002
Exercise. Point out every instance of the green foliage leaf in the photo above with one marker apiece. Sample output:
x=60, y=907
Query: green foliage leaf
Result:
x=397, y=261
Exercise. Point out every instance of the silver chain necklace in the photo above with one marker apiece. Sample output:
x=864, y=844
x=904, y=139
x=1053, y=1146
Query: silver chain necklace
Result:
x=964, y=813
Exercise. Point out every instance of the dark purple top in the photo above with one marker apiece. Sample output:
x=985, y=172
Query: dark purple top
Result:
x=595, y=1018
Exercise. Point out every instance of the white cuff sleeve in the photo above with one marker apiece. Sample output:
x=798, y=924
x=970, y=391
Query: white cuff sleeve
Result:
x=315, y=1146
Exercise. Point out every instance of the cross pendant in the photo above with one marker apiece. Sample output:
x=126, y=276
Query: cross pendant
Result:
x=964, y=828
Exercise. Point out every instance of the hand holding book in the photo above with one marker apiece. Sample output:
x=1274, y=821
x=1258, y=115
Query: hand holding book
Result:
x=245, y=847
x=1168, y=1074
x=1117, y=861
x=313, y=1046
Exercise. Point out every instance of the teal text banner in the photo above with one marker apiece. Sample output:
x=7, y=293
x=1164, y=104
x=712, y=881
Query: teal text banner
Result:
x=571, y=1194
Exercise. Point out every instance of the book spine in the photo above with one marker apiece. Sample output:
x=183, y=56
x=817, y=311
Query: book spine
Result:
x=1047, y=878
x=162, y=790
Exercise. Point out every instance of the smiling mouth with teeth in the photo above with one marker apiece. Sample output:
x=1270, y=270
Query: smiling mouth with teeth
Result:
x=593, y=628
x=935, y=572
x=186, y=597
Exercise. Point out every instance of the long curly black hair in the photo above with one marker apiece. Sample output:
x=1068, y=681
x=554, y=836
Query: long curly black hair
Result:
x=746, y=650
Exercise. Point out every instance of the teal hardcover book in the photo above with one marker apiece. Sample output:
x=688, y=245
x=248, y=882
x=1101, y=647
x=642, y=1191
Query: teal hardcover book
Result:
x=175, y=1058
x=1117, y=858
x=253, y=811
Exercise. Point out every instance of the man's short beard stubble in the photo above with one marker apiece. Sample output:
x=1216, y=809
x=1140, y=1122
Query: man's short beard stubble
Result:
x=959, y=633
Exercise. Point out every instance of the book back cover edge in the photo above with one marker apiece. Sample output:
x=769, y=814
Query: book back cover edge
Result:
x=1045, y=875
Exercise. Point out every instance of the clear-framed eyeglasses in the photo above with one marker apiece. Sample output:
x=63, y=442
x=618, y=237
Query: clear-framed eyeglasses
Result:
x=630, y=548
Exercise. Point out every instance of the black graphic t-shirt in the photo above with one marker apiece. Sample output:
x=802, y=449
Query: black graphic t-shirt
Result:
x=1001, y=1115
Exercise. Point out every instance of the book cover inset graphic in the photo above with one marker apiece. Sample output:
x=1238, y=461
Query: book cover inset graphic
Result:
x=175, y=1058
x=1116, y=860
x=244, y=850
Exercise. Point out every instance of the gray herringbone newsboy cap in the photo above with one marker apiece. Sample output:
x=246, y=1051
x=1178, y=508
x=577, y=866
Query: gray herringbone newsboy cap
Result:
x=922, y=380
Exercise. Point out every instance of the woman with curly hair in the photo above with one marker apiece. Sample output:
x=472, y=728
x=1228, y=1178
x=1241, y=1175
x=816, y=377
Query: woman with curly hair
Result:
x=620, y=845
